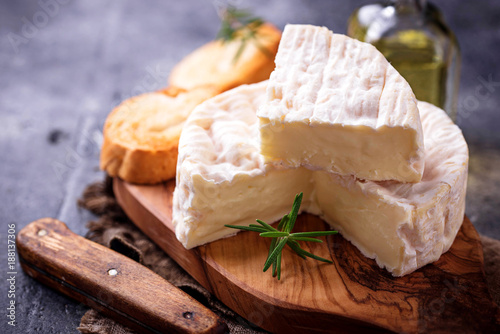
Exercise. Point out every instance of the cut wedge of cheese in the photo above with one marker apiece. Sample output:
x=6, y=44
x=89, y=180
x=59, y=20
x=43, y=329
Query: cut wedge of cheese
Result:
x=358, y=113
x=404, y=226
x=222, y=179
x=221, y=176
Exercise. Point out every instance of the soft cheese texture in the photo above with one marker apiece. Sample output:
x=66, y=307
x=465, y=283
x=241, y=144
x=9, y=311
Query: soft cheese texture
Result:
x=404, y=226
x=358, y=113
x=222, y=179
x=221, y=176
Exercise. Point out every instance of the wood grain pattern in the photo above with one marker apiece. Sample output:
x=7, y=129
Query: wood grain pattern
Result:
x=135, y=296
x=449, y=295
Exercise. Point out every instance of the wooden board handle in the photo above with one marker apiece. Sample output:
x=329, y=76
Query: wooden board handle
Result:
x=110, y=282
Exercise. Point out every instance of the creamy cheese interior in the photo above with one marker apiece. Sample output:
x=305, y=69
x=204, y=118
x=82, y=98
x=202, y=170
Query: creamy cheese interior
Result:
x=343, y=149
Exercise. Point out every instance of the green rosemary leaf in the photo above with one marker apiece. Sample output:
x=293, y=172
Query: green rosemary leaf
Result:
x=262, y=48
x=293, y=237
x=274, y=254
x=276, y=234
x=306, y=253
x=283, y=222
x=278, y=269
x=242, y=14
x=225, y=32
x=266, y=225
x=295, y=247
x=313, y=234
x=257, y=226
x=247, y=228
x=294, y=213
x=271, y=249
x=240, y=50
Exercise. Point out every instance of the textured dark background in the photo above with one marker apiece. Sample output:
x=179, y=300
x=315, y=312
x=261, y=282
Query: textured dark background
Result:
x=68, y=69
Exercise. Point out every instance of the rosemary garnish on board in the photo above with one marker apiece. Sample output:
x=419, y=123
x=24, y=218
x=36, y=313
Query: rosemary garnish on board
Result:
x=283, y=236
x=237, y=24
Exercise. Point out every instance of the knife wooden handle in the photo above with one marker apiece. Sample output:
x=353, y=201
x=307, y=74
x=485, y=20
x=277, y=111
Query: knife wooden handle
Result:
x=110, y=282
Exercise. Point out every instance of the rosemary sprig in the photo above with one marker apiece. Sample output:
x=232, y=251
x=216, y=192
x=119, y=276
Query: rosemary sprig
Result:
x=240, y=25
x=283, y=236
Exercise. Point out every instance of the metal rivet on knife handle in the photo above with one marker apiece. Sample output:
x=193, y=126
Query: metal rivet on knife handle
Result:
x=112, y=272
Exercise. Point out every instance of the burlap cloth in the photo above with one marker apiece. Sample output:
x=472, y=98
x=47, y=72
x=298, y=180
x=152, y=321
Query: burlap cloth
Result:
x=113, y=229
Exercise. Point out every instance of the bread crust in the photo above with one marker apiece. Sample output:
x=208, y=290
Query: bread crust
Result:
x=138, y=154
x=213, y=63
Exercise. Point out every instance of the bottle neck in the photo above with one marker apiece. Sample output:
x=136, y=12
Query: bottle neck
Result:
x=409, y=5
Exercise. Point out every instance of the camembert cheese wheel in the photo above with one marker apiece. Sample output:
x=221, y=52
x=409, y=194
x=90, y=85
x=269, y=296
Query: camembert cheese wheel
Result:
x=222, y=179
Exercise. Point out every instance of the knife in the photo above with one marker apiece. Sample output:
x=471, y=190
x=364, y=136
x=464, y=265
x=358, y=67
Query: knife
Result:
x=110, y=282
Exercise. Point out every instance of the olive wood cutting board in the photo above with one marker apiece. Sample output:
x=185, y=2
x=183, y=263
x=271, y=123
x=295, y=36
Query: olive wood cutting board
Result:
x=353, y=294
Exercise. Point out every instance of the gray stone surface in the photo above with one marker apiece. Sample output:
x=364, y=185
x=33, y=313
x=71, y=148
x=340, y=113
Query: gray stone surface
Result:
x=64, y=67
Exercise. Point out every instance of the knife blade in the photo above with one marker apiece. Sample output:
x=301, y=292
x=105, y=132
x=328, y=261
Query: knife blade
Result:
x=110, y=282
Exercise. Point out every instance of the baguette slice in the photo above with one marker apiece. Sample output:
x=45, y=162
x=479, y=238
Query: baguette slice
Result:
x=213, y=63
x=141, y=134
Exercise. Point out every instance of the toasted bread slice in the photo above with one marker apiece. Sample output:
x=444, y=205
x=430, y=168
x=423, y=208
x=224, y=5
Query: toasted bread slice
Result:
x=141, y=135
x=214, y=63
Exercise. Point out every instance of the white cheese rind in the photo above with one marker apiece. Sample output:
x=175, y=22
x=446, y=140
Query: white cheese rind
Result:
x=357, y=112
x=404, y=226
x=221, y=176
x=222, y=179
